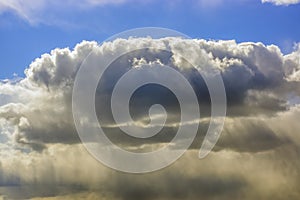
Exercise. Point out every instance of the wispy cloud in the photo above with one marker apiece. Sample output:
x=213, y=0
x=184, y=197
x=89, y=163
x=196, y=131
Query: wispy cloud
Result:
x=54, y=12
x=33, y=11
x=281, y=2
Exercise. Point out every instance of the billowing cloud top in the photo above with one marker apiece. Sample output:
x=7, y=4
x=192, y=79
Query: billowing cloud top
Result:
x=40, y=147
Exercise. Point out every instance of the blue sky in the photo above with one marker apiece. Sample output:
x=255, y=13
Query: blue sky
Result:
x=27, y=31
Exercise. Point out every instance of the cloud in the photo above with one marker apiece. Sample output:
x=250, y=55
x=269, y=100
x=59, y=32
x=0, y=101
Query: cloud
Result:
x=56, y=12
x=41, y=103
x=33, y=11
x=59, y=174
x=41, y=155
x=281, y=2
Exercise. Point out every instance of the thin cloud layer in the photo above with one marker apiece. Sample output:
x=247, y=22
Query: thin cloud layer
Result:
x=53, y=12
x=32, y=10
x=281, y=2
x=41, y=155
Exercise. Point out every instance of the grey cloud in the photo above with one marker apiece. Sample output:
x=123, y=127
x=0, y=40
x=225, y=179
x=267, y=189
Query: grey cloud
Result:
x=249, y=135
x=68, y=172
x=253, y=74
x=255, y=158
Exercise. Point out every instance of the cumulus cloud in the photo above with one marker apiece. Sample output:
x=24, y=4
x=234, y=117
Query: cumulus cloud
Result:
x=41, y=110
x=281, y=2
x=41, y=155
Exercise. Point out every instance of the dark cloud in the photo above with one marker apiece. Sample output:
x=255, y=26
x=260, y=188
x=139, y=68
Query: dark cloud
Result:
x=45, y=116
x=255, y=158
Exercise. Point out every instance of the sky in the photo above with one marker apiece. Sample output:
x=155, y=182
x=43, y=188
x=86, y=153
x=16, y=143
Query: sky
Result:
x=252, y=46
x=29, y=30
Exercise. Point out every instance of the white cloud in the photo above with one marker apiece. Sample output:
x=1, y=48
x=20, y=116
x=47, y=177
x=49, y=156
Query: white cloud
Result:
x=54, y=12
x=281, y=2
x=35, y=11
x=44, y=152
x=47, y=87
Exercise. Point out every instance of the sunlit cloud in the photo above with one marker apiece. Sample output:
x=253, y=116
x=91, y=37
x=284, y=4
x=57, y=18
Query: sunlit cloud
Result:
x=281, y=2
x=46, y=156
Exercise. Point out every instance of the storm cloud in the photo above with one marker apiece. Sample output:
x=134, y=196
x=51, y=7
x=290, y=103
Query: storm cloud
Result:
x=42, y=156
